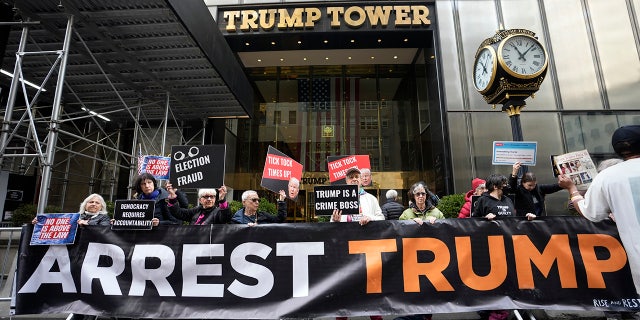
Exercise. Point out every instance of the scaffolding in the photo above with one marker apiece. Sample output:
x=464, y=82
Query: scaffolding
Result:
x=67, y=141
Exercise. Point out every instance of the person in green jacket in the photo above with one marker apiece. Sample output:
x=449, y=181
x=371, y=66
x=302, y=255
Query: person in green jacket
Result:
x=421, y=208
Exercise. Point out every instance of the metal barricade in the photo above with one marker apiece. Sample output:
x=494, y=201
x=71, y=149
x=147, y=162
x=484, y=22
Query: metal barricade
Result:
x=9, y=242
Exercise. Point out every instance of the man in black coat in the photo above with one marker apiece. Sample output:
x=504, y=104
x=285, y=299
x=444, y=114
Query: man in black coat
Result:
x=392, y=209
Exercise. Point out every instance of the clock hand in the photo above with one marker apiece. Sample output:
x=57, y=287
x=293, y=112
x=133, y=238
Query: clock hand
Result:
x=521, y=56
x=526, y=53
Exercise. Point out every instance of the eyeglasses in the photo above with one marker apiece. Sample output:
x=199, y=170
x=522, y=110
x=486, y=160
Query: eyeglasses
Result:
x=255, y=199
x=420, y=194
x=207, y=197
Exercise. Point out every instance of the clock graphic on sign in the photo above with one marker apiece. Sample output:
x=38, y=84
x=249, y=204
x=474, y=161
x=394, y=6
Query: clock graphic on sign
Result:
x=484, y=69
x=522, y=56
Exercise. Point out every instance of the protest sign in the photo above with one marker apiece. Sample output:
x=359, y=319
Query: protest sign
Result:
x=157, y=166
x=133, y=214
x=281, y=173
x=510, y=152
x=55, y=229
x=338, y=166
x=578, y=166
x=341, y=197
x=198, y=166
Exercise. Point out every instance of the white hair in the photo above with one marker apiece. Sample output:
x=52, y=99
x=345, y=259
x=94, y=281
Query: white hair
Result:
x=83, y=205
x=392, y=194
x=365, y=170
x=207, y=191
x=295, y=181
x=245, y=195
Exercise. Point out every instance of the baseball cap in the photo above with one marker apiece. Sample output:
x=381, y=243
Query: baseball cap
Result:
x=626, y=140
x=351, y=170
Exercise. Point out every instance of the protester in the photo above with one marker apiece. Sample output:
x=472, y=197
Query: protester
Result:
x=365, y=177
x=617, y=190
x=529, y=194
x=369, y=208
x=294, y=188
x=421, y=208
x=494, y=203
x=478, y=187
x=93, y=211
x=147, y=187
x=206, y=212
x=392, y=209
x=250, y=215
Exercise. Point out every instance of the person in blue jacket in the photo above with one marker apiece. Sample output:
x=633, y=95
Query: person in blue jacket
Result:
x=250, y=215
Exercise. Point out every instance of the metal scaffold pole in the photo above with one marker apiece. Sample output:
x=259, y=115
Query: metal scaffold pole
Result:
x=54, y=124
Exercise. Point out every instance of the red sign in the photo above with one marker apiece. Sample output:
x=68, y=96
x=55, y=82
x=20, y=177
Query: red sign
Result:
x=339, y=165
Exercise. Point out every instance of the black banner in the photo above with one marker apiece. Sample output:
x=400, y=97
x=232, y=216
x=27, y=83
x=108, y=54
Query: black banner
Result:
x=329, y=269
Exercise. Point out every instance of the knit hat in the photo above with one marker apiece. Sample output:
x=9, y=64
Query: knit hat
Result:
x=626, y=140
x=476, y=183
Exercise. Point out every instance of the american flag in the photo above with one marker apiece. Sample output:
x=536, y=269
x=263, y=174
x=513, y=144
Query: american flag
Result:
x=316, y=93
x=140, y=162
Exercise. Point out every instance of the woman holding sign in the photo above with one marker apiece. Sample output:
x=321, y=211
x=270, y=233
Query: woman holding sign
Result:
x=206, y=212
x=147, y=188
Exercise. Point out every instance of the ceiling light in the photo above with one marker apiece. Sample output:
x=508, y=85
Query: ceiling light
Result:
x=93, y=113
x=326, y=41
x=372, y=57
x=29, y=83
x=305, y=58
x=246, y=43
x=273, y=43
x=299, y=42
x=349, y=58
x=281, y=59
x=395, y=57
x=259, y=60
x=379, y=40
x=353, y=40
x=326, y=58
x=406, y=40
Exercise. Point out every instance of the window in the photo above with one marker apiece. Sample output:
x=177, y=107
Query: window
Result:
x=293, y=115
x=277, y=116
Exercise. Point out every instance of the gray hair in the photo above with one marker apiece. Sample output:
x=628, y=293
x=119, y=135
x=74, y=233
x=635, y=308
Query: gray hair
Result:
x=245, y=195
x=608, y=163
x=365, y=170
x=207, y=191
x=392, y=194
x=295, y=181
x=83, y=205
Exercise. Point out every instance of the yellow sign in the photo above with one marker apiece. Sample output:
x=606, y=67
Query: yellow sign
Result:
x=307, y=18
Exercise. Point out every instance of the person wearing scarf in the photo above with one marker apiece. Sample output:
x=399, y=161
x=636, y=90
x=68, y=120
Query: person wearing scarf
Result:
x=206, y=212
x=147, y=188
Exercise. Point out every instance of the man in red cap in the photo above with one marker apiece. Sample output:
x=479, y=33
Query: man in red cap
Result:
x=617, y=190
x=478, y=187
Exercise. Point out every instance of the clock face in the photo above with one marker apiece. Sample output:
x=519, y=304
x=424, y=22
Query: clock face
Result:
x=484, y=69
x=522, y=56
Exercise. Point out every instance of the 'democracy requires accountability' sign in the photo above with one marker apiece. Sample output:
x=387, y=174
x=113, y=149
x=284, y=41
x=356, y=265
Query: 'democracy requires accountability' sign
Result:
x=313, y=270
x=133, y=214
x=198, y=166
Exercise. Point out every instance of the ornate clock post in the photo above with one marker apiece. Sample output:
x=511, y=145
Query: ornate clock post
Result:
x=509, y=67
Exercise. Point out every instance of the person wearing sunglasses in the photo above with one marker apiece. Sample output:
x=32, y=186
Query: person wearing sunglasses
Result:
x=421, y=208
x=207, y=212
x=250, y=215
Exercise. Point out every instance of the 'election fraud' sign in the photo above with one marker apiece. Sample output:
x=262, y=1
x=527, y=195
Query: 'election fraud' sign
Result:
x=133, y=214
x=281, y=173
x=157, y=166
x=55, y=229
x=338, y=166
x=342, y=197
x=198, y=166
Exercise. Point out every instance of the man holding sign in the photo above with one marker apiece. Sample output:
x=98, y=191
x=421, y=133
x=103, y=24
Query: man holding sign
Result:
x=369, y=207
